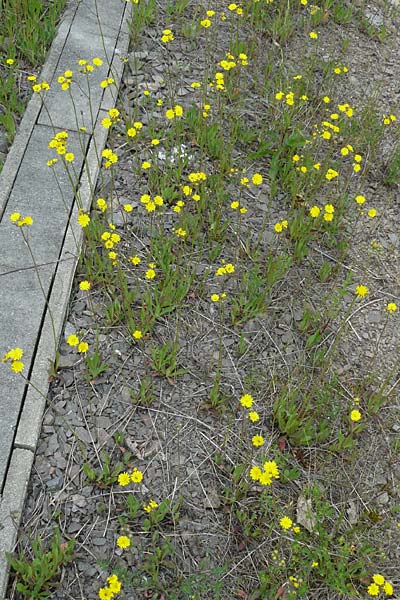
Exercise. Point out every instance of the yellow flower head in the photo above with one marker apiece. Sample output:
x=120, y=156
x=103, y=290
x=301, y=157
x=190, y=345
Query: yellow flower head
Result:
x=355, y=415
x=124, y=479
x=136, y=476
x=361, y=291
x=257, y=440
x=123, y=541
x=246, y=401
x=286, y=522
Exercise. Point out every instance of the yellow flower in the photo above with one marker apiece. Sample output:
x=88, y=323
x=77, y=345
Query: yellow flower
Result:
x=167, y=36
x=388, y=588
x=17, y=366
x=135, y=260
x=372, y=212
x=271, y=468
x=83, y=347
x=373, y=589
x=13, y=354
x=84, y=285
x=137, y=334
x=315, y=211
x=355, y=415
x=391, y=307
x=150, y=506
x=313, y=35
x=114, y=584
x=106, y=594
x=150, y=274
x=378, y=579
x=215, y=297
x=246, y=401
x=106, y=123
x=362, y=290
x=331, y=174
x=257, y=440
x=254, y=416
x=136, y=476
x=360, y=199
x=255, y=473
x=101, y=204
x=73, y=340
x=83, y=220
x=257, y=179
x=123, y=541
x=265, y=479
x=124, y=479
x=286, y=522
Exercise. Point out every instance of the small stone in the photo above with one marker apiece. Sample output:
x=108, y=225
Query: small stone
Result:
x=48, y=419
x=374, y=317
x=83, y=435
x=67, y=361
x=3, y=143
x=79, y=501
x=102, y=436
x=99, y=541
x=74, y=527
x=212, y=499
x=383, y=498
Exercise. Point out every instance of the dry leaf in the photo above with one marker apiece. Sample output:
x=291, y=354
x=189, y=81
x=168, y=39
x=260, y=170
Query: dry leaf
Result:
x=305, y=515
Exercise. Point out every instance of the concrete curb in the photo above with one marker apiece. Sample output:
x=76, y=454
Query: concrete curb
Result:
x=30, y=419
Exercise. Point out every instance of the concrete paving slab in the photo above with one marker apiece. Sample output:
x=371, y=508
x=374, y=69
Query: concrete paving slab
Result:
x=55, y=239
x=11, y=506
x=22, y=295
x=44, y=195
x=96, y=35
x=32, y=111
x=78, y=106
x=99, y=17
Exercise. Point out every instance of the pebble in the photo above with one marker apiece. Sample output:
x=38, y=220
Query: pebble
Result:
x=99, y=541
x=83, y=435
x=79, y=501
x=48, y=419
x=383, y=498
x=374, y=317
x=3, y=143
x=66, y=361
